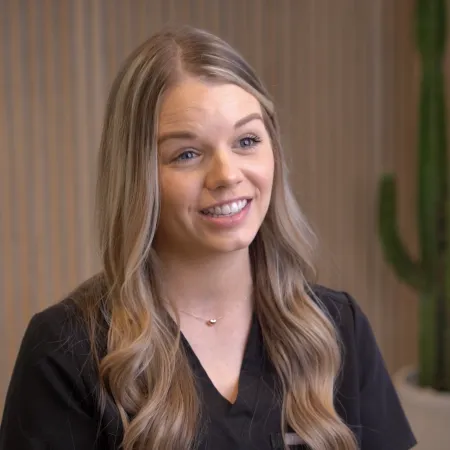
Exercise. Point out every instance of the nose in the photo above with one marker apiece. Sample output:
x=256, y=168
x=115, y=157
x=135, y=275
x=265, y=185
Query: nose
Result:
x=223, y=171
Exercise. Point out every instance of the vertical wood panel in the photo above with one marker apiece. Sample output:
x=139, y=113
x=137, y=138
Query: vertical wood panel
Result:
x=344, y=77
x=6, y=245
x=19, y=168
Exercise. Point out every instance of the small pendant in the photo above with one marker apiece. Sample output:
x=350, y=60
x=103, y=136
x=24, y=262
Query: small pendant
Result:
x=211, y=322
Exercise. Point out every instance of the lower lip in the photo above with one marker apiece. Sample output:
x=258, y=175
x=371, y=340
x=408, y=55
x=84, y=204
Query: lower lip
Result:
x=229, y=221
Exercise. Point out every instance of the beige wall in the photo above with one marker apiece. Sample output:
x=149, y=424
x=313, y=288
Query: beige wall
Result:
x=342, y=73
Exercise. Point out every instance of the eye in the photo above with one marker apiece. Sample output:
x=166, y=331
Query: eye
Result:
x=249, y=141
x=186, y=156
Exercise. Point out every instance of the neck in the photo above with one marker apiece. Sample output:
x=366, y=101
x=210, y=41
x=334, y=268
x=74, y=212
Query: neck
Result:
x=213, y=285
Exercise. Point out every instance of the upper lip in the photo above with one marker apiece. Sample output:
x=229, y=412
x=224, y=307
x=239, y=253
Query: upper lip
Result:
x=227, y=202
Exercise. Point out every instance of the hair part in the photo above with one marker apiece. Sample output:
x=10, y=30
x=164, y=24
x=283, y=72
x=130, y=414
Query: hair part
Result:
x=143, y=369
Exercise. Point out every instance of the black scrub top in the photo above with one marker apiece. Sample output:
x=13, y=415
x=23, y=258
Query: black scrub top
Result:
x=51, y=401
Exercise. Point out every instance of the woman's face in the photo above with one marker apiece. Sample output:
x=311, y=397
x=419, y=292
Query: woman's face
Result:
x=216, y=169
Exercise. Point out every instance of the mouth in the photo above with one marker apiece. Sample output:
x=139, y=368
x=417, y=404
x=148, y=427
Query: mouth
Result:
x=226, y=209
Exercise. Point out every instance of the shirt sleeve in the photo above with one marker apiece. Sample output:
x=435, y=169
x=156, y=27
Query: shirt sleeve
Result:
x=383, y=421
x=48, y=406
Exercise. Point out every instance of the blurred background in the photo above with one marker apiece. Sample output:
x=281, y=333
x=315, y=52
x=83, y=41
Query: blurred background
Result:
x=345, y=77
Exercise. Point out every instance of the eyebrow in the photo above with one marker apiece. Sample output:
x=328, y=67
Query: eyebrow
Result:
x=246, y=119
x=189, y=135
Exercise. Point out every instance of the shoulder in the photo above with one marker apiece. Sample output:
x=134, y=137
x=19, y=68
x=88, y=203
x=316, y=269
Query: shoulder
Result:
x=366, y=397
x=53, y=393
x=342, y=308
x=358, y=340
x=61, y=328
x=56, y=348
x=60, y=320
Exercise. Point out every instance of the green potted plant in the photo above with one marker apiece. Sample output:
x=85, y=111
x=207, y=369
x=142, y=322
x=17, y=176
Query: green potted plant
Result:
x=425, y=392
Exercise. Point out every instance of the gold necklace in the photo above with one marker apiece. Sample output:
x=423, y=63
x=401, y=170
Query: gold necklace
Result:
x=209, y=322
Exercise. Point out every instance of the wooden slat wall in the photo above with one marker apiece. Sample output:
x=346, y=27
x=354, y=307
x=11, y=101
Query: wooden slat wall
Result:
x=343, y=74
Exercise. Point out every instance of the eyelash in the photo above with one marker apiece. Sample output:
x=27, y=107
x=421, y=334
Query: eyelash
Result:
x=180, y=159
x=253, y=137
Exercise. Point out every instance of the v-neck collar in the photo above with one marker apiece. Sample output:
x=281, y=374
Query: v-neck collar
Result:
x=252, y=362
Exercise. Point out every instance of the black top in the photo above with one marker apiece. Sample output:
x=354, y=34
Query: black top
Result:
x=50, y=403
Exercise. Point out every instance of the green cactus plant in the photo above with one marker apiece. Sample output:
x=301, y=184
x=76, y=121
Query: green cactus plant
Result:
x=430, y=274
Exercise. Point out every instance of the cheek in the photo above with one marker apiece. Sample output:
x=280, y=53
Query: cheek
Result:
x=177, y=194
x=263, y=174
x=265, y=181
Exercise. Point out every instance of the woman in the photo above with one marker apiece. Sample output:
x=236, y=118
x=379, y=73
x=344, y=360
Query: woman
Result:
x=203, y=329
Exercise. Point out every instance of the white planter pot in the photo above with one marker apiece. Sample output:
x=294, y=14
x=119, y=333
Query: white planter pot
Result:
x=428, y=411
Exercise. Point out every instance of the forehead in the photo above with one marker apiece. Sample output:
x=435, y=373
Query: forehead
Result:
x=199, y=104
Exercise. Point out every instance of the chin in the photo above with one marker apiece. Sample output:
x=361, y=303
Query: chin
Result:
x=231, y=244
x=232, y=248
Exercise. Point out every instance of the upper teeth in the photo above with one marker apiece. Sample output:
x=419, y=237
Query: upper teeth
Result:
x=227, y=209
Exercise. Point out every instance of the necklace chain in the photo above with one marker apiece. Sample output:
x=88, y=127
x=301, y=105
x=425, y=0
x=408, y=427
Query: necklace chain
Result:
x=209, y=322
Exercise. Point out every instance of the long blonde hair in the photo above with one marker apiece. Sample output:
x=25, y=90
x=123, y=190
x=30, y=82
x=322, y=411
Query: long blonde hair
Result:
x=143, y=369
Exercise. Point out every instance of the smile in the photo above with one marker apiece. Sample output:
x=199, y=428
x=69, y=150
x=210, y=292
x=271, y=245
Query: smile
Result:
x=228, y=209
